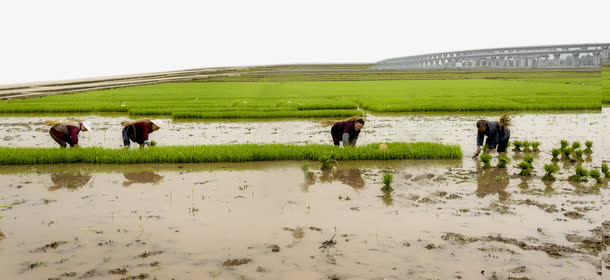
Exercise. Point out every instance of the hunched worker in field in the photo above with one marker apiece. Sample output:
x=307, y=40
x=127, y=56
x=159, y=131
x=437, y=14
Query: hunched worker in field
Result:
x=66, y=132
x=497, y=134
x=345, y=131
x=138, y=131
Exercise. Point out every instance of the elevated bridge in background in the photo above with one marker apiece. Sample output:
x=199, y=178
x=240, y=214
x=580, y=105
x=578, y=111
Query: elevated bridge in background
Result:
x=544, y=57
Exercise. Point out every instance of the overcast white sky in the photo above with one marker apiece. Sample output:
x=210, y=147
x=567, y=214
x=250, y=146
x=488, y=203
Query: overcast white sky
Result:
x=56, y=40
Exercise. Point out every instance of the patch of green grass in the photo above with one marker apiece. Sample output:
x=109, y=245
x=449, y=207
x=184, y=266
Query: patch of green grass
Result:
x=555, y=153
x=502, y=161
x=212, y=99
x=270, y=114
x=589, y=145
x=486, y=159
x=526, y=168
x=606, y=170
x=228, y=153
x=595, y=174
x=550, y=169
x=580, y=174
x=517, y=145
x=387, y=182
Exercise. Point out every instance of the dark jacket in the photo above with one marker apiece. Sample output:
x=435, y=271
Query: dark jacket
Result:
x=495, y=134
x=346, y=132
x=138, y=132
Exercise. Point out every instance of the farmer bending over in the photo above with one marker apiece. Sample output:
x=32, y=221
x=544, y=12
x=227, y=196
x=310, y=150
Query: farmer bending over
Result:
x=66, y=132
x=497, y=134
x=137, y=131
x=345, y=131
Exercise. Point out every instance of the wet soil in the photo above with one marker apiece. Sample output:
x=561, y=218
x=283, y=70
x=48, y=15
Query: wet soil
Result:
x=444, y=220
x=449, y=128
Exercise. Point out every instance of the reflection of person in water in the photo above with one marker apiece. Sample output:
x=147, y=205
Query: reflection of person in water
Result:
x=492, y=181
x=146, y=177
x=69, y=180
x=351, y=177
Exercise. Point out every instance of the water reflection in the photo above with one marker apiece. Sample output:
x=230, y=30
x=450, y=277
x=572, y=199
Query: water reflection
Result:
x=69, y=181
x=144, y=177
x=492, y=181
x=351, y=177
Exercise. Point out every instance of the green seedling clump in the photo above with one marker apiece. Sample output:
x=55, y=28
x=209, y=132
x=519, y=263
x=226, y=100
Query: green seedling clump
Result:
x=550, y=169
x=589, y=145
x=595, y=174
x=153, y=143
x=580, y=175
x=228, y=153
x=486, y=158
x=564, y=144
x=517, y=146
x=529, y=158
x=576, y=145
x=526, y=146
x=387, y=182
x=502, y=161
x=555, y=153
x=606, y=170
x=578, y=155
x=566, y=153
x=328, y=164
x=526, y=168
x=535, y=146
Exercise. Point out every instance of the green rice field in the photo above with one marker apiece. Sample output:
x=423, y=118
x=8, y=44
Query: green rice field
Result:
x=228, y=153
x=303, y=99
x=606, y=84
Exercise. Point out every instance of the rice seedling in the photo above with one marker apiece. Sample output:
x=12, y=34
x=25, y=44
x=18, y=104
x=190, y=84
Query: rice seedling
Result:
x=605, y=170
x=526, y=168
x=580, y=174
x=526, y=146
x=578, y=155
x=589, y=145
x=228, y=153
x=153, y=143
x=328, y=164
x=550, y=169
x=486, y=159
x=575, y=145
x=502, y=161
x=564, y=144
x=555, y=152
x=517, y=146
x=387, y=182
x=535, y=145
x=567, y=152
x=529, y=158
x=379, y=95
x=595, y=174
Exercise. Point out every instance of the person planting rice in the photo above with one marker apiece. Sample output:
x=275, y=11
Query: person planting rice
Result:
x=497, y=134
x=66, y=133
x=345, y=131
x=138, y=131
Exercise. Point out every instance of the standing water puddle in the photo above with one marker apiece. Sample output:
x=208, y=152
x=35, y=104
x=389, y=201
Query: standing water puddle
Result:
x=272, y=221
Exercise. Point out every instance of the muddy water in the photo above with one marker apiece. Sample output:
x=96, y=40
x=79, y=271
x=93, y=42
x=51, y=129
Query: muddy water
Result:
x=443, y=221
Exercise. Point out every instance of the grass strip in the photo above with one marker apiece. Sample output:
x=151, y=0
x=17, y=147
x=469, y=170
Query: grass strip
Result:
x=228, y=153
x=265, y=114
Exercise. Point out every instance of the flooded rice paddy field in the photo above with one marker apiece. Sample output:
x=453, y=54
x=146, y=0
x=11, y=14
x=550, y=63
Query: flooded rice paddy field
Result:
x=272, y=220
x=548, y=128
